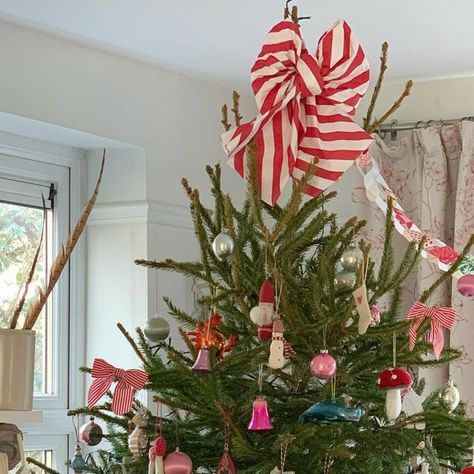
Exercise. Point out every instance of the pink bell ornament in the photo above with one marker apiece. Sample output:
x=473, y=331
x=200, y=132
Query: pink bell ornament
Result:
x=203, y=361
x=178, y=463
x=260, y=417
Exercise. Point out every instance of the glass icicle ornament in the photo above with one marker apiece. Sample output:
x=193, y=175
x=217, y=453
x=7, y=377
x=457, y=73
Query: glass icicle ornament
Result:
x=223, y=245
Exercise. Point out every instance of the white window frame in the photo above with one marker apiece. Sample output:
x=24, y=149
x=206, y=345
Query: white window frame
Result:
x=69, y=389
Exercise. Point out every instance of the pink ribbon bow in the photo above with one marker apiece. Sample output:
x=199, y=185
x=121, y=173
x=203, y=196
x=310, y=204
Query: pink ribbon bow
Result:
x=305, y=104
x=441, y=317
x=129, y=381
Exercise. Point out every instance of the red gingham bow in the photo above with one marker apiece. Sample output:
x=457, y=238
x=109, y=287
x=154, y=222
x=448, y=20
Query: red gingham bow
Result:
x=129, y=381
x=305, y=104
x=441, y=317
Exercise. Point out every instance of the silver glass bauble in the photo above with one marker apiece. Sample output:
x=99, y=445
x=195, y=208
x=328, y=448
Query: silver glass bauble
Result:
x=223, y=245
x=450, y=395
x=345, y=280
x=352, y=258
x=156, y=329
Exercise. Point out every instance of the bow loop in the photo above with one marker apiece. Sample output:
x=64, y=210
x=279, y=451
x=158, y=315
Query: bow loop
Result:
x=129, y=381
x=441, y=318
x=308, y=80
x=305, y=102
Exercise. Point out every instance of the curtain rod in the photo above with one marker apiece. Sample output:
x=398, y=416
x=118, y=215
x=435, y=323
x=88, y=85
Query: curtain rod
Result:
x=399, y=127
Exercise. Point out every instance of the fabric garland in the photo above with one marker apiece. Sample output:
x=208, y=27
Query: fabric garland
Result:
x=378, y=191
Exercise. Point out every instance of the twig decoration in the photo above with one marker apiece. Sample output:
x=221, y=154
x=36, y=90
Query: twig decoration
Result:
x=63, y=256
x=29, y=278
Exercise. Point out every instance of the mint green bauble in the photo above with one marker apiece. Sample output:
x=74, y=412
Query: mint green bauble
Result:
x=156, y=329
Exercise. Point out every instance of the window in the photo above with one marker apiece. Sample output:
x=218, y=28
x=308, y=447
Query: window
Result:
x=20, y=234
x=22, y=184
x=26, y=175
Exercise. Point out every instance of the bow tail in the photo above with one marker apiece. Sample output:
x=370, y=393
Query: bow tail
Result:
x=97, y=390
x=413, y=331
x=272, y=133
x=436, y=337
x=123, y=398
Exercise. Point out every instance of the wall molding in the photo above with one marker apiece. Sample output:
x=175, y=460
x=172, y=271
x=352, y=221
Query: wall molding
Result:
x=142, y=211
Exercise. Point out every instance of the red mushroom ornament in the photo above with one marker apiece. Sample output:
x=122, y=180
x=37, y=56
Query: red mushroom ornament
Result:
x=394, y=381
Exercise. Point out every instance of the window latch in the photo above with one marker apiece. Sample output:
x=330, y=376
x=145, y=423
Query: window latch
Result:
x=52, y=193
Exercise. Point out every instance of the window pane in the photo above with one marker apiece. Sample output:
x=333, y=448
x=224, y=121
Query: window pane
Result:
x=20, y=232
x=44, y=457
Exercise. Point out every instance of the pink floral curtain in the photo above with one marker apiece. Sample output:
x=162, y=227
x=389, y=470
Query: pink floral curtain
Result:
x=431, y=170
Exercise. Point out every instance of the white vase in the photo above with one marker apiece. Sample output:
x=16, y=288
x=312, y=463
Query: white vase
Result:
x=17, y=355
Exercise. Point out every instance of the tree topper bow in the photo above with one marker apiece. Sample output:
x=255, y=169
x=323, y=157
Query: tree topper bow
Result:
x=305, y=106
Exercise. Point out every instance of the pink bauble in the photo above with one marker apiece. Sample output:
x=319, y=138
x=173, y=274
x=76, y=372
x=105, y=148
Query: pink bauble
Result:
x=466, y=285
x=323, y=365
x=178, y=463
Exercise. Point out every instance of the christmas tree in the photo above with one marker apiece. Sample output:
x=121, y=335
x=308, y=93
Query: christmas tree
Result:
x=307, y=353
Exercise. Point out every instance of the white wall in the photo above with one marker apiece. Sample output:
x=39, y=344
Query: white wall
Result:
x=167, y=127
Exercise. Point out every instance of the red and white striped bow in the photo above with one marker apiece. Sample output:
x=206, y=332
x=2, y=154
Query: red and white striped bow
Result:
x=129, y=381
x=305, y=104
x=441, y=317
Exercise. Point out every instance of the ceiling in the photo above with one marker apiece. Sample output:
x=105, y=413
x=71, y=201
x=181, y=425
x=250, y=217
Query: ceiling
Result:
x=219, y=39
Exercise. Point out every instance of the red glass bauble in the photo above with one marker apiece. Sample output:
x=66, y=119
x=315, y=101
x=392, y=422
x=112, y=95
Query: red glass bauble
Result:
x=468, y=470
x=91, y=433
x=323, y=365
